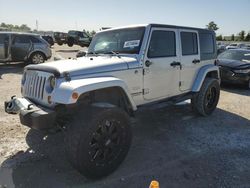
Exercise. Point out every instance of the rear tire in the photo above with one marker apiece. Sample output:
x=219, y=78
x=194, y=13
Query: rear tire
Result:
x=37, y=58
x=70, y=42
x=205, y=102
x=98, y=140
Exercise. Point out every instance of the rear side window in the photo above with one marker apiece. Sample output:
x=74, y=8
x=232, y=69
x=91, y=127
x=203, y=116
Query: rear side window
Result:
x=162, y=44
x=21, y=39
x=189, y=43
x=206, y=43
x=35, y=40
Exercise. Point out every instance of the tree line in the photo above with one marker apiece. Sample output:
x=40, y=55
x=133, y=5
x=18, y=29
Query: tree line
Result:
x=25, y=28
x=11, y=27
x=241, y=36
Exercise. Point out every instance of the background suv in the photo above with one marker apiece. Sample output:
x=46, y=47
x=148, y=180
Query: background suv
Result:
x=23, y=47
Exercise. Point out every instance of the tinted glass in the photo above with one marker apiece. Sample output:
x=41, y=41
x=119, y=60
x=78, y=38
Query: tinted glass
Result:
x=189, y=43
x=119, y=41
x=4, y=38
x=22, y=39
x=162, y=44
x=35, y=39
x=206, y=43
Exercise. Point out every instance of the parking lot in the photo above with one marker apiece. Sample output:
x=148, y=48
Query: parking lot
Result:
x=170, y=144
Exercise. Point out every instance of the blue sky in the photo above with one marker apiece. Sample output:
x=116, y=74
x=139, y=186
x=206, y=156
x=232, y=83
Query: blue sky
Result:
x=231, y=16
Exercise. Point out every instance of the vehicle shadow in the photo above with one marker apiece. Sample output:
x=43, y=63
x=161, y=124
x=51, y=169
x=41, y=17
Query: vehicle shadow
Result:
x=67, y=51
x=7, y=68
x=237, y=89
x=171, y=144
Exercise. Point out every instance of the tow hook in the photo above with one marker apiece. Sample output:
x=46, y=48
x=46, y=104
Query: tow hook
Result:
x=15, y=105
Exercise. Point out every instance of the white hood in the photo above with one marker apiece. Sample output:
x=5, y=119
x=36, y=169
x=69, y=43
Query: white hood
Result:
x=86, y=65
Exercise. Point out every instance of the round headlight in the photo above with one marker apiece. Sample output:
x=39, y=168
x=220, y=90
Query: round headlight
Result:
x=52, y=82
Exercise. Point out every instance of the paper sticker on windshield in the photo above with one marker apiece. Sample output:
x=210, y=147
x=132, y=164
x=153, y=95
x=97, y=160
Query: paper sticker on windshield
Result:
x=131, y=44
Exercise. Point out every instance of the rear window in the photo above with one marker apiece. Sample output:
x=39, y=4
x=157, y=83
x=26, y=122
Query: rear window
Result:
x=206, y=43
x=35, y=39
x=189, y=43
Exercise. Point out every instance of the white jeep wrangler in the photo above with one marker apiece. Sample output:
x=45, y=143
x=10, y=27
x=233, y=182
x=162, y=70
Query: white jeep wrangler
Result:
x=92, y=97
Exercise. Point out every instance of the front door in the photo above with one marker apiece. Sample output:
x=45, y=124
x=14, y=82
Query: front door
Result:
x=162, y=64
x=20, y=48
x=4, y=46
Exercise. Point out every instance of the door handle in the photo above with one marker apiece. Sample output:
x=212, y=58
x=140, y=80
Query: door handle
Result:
x=148, y=63
x=175, y=63
x=196, y=61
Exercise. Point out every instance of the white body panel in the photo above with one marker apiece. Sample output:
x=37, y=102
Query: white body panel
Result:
x=160, y=80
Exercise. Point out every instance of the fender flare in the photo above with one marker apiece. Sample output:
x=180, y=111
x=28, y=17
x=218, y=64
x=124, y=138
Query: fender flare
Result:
x=64, y=90
x=202, y=75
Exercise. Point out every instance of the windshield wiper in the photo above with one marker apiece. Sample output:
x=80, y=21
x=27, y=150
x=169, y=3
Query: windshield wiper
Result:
x=113, y=52
x=92, y=53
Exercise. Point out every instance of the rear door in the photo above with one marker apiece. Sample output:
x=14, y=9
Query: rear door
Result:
x=162, y=64
x=20, y=48
x=4, y=46
x=190, y=58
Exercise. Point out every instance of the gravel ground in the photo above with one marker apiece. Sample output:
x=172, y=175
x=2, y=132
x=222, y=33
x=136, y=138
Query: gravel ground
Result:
x=171, y=144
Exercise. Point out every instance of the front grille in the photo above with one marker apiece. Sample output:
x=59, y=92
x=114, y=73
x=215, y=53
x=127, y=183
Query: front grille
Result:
x=34, y=85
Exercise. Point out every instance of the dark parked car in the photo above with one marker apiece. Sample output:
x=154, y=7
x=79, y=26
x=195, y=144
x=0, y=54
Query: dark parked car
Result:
x=49, y=39
x=235, y=66
x=79, y=38
x=60, y=38
x=23, y=47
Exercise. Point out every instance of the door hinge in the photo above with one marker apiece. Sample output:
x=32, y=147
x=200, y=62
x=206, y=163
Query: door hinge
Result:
x=143, y=71
x=145, y=91
x=179, y=84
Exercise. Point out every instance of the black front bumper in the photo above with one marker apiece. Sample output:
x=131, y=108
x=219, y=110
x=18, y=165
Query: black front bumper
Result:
x=228, y=76
x=31, y=115
x=38, y=119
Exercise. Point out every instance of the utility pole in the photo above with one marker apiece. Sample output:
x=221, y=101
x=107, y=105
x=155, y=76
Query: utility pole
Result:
x=76, y=25
x=37, y=25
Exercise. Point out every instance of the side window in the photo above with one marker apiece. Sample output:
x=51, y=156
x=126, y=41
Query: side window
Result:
x=35, y=40
x=162, y=44
x=4, y=39
x=21, y=39
x=206, y=43
x=189, y=43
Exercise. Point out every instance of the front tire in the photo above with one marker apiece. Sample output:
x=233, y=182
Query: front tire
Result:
x=205, y=102
x=98, y=140
x=60, y=43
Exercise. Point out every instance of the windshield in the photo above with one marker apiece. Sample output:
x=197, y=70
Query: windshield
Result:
x=236, y=55
x=127, y=41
